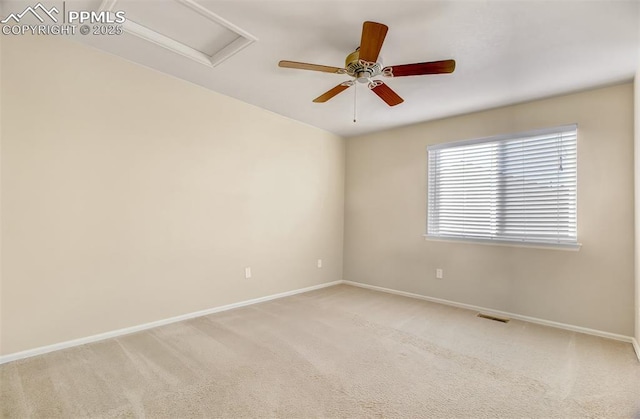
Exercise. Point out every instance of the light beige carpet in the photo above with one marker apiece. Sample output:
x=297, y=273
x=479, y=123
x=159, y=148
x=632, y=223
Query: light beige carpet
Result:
x=336, y=352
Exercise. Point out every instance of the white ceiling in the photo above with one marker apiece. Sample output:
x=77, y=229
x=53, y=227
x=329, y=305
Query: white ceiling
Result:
x=506, y=52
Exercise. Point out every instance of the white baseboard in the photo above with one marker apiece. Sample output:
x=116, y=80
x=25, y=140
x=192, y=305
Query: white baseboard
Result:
x=120, y=332
x=636, y=347
x=498, y=313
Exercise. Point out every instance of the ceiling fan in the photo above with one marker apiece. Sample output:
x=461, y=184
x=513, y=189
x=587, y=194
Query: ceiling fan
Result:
x=364, y=63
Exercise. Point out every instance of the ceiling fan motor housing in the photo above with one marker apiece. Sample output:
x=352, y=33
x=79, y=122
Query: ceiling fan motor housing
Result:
x=362, y=70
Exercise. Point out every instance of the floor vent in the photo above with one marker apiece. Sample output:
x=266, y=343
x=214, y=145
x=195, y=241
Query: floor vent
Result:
x=490, y=317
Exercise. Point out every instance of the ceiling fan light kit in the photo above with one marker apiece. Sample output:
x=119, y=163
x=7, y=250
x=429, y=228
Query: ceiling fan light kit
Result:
x=365, y=63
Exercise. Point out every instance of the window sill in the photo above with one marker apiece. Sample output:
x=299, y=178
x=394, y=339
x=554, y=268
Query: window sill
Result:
x=549, y=246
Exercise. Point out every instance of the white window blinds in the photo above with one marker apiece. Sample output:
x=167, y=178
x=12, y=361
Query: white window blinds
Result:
x=513, y=188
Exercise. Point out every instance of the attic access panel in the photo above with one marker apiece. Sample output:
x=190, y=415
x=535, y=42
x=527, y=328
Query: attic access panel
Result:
x=184, y=27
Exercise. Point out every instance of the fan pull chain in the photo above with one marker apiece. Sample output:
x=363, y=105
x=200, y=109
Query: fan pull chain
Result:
x=355, y=94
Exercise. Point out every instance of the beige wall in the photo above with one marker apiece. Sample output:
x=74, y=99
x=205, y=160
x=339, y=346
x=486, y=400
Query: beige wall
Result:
x=637, y=197
x=385, y=217
x=129, y=196
x=1, y=6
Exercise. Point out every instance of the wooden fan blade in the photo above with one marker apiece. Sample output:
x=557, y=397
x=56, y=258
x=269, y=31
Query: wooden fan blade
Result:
x=307, y=66
x=331, y=93
x=418, y=69
x=373, y=34
x=387, y=94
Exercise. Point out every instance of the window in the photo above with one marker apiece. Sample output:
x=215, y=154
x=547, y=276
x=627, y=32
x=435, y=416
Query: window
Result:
x=518, y=188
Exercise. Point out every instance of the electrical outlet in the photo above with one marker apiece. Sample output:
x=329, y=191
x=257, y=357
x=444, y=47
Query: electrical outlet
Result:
x=319, y=263
x=247, y=273
x=439, y=273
